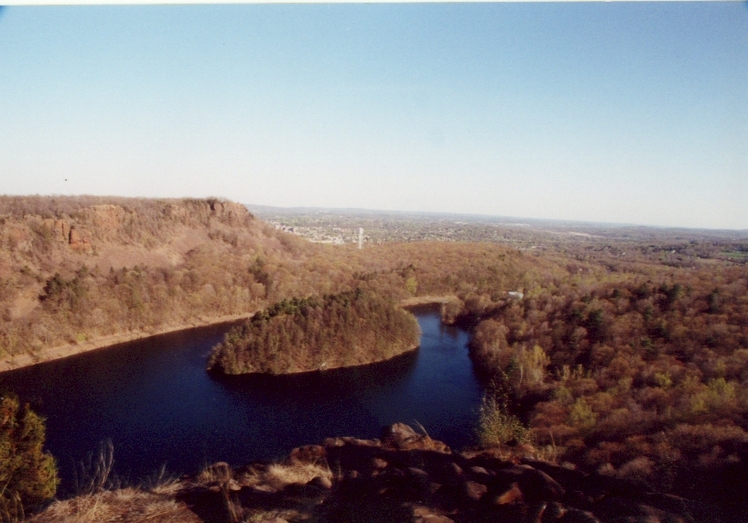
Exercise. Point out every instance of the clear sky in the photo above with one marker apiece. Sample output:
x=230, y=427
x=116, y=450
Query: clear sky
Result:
x=615, y=112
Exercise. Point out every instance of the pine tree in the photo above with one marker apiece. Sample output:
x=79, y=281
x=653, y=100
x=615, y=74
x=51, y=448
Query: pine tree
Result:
x=28, y=474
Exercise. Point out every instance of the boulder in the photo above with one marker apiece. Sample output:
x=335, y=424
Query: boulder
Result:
x=538, y=486
x=308, y=454
x=423, y=514
x=474, y=490
x=78, y=241
x=511, y=495
x=480, y=474
x=320, y=482
x=553, y=512
x=402, y=437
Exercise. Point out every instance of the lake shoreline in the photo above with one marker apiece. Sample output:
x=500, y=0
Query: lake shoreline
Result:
x=19, y=361
x=153, y=399
x=315, y=371
x=419, y=301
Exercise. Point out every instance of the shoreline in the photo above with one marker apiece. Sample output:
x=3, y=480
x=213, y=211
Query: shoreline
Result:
x=19, y=361
x=71, y=349
x=407, y=303
x=417, y=301
x=320, y=370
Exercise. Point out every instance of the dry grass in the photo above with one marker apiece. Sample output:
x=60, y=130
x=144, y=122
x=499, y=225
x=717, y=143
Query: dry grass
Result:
x=270, y=478
x=100, y=500
x=279, y=475
x=274, y=516
x=94, y=474
x=275, y=476
x=128, y=505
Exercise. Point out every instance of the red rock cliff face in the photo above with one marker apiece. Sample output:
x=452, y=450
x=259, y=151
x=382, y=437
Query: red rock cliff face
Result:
x=62, y=230
x=115, y=223
x=79, y=241
x=228, y=213
x=187, y=258
x=54, y=234
x=107, y=218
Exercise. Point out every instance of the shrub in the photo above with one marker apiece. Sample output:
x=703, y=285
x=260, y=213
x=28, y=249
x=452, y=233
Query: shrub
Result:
x=582, y=416
x=28, y=475
x=499, y=427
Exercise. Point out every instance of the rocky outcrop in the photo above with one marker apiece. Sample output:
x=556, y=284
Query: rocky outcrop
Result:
x=226, y=212
x=408, y=477
x=79, y=241
x=230, y=213
x=59, y=229
x=105, y=217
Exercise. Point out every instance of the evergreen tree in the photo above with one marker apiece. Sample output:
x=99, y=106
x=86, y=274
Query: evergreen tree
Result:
x=28, y=474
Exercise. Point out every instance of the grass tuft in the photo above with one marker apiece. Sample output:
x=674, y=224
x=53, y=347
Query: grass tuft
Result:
x=499, y=427
x=127, y=505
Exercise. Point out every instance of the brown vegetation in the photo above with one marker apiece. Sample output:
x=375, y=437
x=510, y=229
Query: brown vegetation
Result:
x=152, y=265
x=640, y=374
x=28, y=475
x=301, y=335
x=130, y=504
x=146, y=265
x=628, y=359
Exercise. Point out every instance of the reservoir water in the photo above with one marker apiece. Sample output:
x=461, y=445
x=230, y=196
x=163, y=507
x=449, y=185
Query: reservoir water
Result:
x=158, y=406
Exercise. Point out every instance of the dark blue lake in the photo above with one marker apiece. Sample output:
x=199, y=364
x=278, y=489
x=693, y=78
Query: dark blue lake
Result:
x=156, y=403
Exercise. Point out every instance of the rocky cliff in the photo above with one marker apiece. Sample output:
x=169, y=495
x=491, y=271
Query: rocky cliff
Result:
x=83, y=271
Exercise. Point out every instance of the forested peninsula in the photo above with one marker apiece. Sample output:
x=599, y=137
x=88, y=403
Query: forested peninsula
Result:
x=308, y=334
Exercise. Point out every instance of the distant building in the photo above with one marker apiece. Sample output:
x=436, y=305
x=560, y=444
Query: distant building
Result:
x=517, y=295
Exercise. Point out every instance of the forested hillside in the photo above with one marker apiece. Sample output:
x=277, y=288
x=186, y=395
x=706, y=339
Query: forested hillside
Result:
x=641, y=374
x=74, y=270
x=301, y=335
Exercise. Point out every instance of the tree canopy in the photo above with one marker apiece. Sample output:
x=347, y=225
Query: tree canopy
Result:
x=306, y=334
x=28, y=474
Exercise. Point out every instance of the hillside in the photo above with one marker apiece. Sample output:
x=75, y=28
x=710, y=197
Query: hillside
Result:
x=74, y=270
x=628, y=361
x=82, y=272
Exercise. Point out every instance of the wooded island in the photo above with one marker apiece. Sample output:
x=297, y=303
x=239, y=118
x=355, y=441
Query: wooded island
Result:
x=308, y=334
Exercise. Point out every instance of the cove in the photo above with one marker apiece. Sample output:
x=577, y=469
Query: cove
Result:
x=159, y=407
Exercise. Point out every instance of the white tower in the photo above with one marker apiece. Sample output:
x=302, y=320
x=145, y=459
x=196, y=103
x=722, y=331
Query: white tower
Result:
x=360, y=238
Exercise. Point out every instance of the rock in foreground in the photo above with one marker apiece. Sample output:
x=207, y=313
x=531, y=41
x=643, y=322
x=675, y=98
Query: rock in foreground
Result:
x=408, y=477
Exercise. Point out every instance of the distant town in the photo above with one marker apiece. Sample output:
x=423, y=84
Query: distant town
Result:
x=672, y=246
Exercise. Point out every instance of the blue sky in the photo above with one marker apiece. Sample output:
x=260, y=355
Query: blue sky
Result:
x=614, y=112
